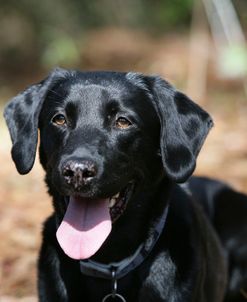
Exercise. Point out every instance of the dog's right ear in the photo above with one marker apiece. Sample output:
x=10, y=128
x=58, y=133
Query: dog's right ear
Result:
x=22, y=115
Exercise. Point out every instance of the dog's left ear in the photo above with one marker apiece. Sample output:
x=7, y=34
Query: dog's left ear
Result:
x=22, y=115
x=184, y=127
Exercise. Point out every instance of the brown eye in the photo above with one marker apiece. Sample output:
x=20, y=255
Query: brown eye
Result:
x=59, y=120
x=122, y=123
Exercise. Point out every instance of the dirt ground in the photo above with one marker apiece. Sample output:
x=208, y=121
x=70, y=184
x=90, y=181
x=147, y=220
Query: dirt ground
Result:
x=24, y=203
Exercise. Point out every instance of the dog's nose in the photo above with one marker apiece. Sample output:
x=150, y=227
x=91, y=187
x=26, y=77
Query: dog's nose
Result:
x=79, y=173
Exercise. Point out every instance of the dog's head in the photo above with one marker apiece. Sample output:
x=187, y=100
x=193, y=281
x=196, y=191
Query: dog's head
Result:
x=102, y=136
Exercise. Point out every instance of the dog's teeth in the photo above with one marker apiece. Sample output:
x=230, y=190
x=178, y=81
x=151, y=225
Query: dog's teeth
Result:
x=112, y=202
x=117, y=195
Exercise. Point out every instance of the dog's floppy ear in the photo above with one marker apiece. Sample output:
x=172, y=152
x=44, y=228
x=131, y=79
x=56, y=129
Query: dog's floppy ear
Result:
x=22, y=115
x=184, y=127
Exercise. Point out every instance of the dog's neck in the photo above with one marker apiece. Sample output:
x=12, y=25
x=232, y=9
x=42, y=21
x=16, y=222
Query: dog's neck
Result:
x=135, y=224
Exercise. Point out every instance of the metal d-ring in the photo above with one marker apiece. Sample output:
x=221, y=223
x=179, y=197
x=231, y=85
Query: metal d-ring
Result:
x=114, y=295
x=117, y=297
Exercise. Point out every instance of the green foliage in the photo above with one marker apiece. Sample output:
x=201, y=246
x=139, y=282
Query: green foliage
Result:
x=46, y=33
x=167, y=15
x=62, y=50
x=233, y=61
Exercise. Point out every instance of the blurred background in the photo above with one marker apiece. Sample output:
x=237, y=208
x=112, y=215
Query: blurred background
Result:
x=198, y=45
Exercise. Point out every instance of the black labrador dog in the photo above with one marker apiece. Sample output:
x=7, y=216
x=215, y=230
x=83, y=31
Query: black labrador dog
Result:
x=115, y=147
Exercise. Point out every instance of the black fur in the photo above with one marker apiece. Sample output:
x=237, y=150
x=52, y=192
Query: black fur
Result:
x=156, y=151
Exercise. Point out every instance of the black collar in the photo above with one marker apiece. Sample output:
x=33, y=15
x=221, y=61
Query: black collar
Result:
x=120, y=269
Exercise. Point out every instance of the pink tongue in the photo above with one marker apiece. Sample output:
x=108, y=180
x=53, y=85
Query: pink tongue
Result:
x=85, y=226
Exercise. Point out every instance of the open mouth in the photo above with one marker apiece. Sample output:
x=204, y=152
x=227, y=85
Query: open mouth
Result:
x=88, y=222
x=118, y=202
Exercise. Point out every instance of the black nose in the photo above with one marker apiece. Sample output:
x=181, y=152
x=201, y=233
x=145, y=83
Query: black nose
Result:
x=79, y=173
